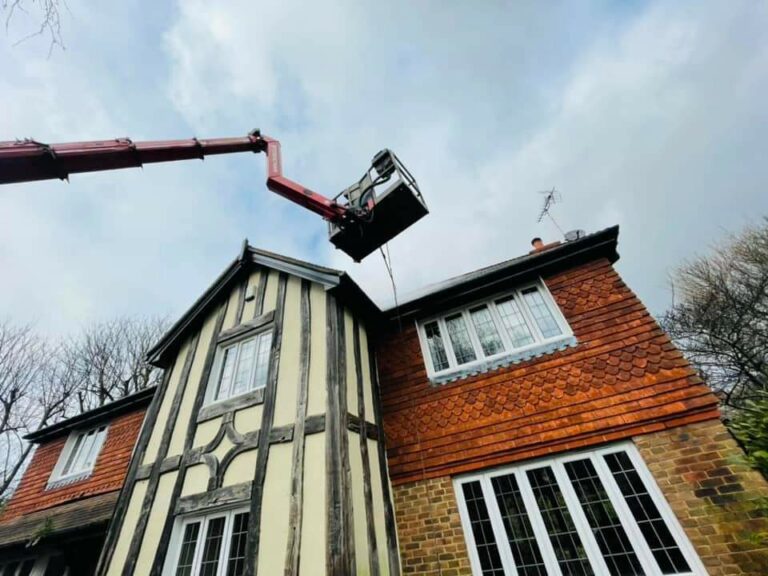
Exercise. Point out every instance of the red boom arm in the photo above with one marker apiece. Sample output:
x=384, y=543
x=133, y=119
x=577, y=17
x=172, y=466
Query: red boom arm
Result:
x=27, y=160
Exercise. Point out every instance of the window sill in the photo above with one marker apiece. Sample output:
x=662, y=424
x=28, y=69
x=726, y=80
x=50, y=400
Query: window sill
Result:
x=252, y=398
x=67, y=480
x=482, y=366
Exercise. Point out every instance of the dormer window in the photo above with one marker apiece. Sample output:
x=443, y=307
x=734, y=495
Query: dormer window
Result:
x=492, y=331
x=79, y=456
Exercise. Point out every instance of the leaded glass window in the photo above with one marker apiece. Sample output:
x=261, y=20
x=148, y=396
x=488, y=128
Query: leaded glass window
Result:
x=491, y=330
x=584, y=514
x=211, y=545
x=241, y=367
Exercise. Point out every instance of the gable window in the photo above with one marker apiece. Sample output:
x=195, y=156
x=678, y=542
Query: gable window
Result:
x=79, y=456
x=210, y=545
x=584, y=514
x=485, y=332
x=240, y=367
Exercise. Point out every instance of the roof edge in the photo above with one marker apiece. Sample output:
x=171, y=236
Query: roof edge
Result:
x=94, y=416
x=601, y=243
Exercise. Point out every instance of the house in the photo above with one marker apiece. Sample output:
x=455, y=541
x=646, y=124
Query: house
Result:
x=527, y=418
x=56, y=520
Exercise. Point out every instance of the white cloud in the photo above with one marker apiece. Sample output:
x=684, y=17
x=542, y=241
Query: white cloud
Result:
x=651, y=117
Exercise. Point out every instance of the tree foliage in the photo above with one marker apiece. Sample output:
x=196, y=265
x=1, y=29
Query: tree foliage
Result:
x=750, y=426
x=720, y=316
x=42, y=382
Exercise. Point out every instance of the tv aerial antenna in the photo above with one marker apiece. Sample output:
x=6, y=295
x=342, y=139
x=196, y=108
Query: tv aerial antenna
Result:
x=551, y=197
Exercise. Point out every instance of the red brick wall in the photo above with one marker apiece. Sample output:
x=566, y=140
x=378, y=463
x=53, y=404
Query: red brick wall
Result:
x=429, y=529
x=721, y=502
x=622, y=379
x=107, y=476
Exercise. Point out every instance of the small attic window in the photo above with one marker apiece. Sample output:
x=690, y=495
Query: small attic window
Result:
x=488, y=333
x=79, y=456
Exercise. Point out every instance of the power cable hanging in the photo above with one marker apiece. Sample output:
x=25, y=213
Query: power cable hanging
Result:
x=388, y=265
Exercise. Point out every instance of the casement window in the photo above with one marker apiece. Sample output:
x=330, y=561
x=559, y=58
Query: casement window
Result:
x=210, y=545
x=582, y=514
x=493, y=330
x=79, y=456
x=240, y=367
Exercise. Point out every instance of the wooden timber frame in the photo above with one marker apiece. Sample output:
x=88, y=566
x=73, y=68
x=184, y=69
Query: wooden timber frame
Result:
x=337, y=423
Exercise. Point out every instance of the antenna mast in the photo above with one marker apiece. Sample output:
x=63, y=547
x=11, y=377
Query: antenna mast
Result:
x=551, y=197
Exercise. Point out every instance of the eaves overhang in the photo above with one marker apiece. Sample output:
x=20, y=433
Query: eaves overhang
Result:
x=96, y=416
x=487, y=281
x=335, y=281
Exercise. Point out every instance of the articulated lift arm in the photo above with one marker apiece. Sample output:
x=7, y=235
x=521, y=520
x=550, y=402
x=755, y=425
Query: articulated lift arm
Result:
x=353, y=227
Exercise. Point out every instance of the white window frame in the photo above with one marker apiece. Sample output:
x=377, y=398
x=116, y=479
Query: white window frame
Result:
x=174, y=545
x=509, y=350
x=58, y=477
x=215, y=374
x=641, y=548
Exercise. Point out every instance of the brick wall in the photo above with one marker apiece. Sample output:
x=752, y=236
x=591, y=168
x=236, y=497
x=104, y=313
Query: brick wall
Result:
x=623, y=378
x=429, y=529
x=721, y=503
x=108, y=473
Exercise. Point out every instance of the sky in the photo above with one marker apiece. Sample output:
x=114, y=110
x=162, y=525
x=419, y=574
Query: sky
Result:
x=650, y=115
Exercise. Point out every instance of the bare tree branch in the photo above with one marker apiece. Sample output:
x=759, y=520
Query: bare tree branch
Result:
x=719, y=318
x=47, y=15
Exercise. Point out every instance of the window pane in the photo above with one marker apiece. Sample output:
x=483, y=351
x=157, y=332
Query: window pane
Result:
x=520, y=534
x=236, y=562
x=655, y=531
x=541, y=313
x=514, y=322
x=606, y=526
x=93, y=452
x=436, y=346
x=187, y=554
x=245, y=363
x=262, y=360
x=459, y=335
x=562, y=532
x=227, y=371
x=73, y=455
x=213, y=540
x=490, y=560
x=486, y=331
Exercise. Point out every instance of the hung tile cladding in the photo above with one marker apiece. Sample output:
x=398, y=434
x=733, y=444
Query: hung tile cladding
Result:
x=620, y=377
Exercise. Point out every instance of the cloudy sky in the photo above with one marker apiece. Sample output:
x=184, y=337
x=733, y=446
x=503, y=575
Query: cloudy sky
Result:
x=648, y=115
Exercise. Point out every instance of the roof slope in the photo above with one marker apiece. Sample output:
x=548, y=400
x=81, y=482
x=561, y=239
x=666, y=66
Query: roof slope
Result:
x=564, y=255
x=336, y=281
x=60, y=520
x=92, y=417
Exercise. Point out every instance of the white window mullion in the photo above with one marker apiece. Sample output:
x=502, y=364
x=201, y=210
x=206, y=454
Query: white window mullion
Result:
x=537, y=522
x=591, y=546
x=225, y=543
x=473, y=337
x=506, y=339
x=452, y=362
x=644, y=554
x=497, y=523
x=200, y=547
x=469, y=537
x=529, y=319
